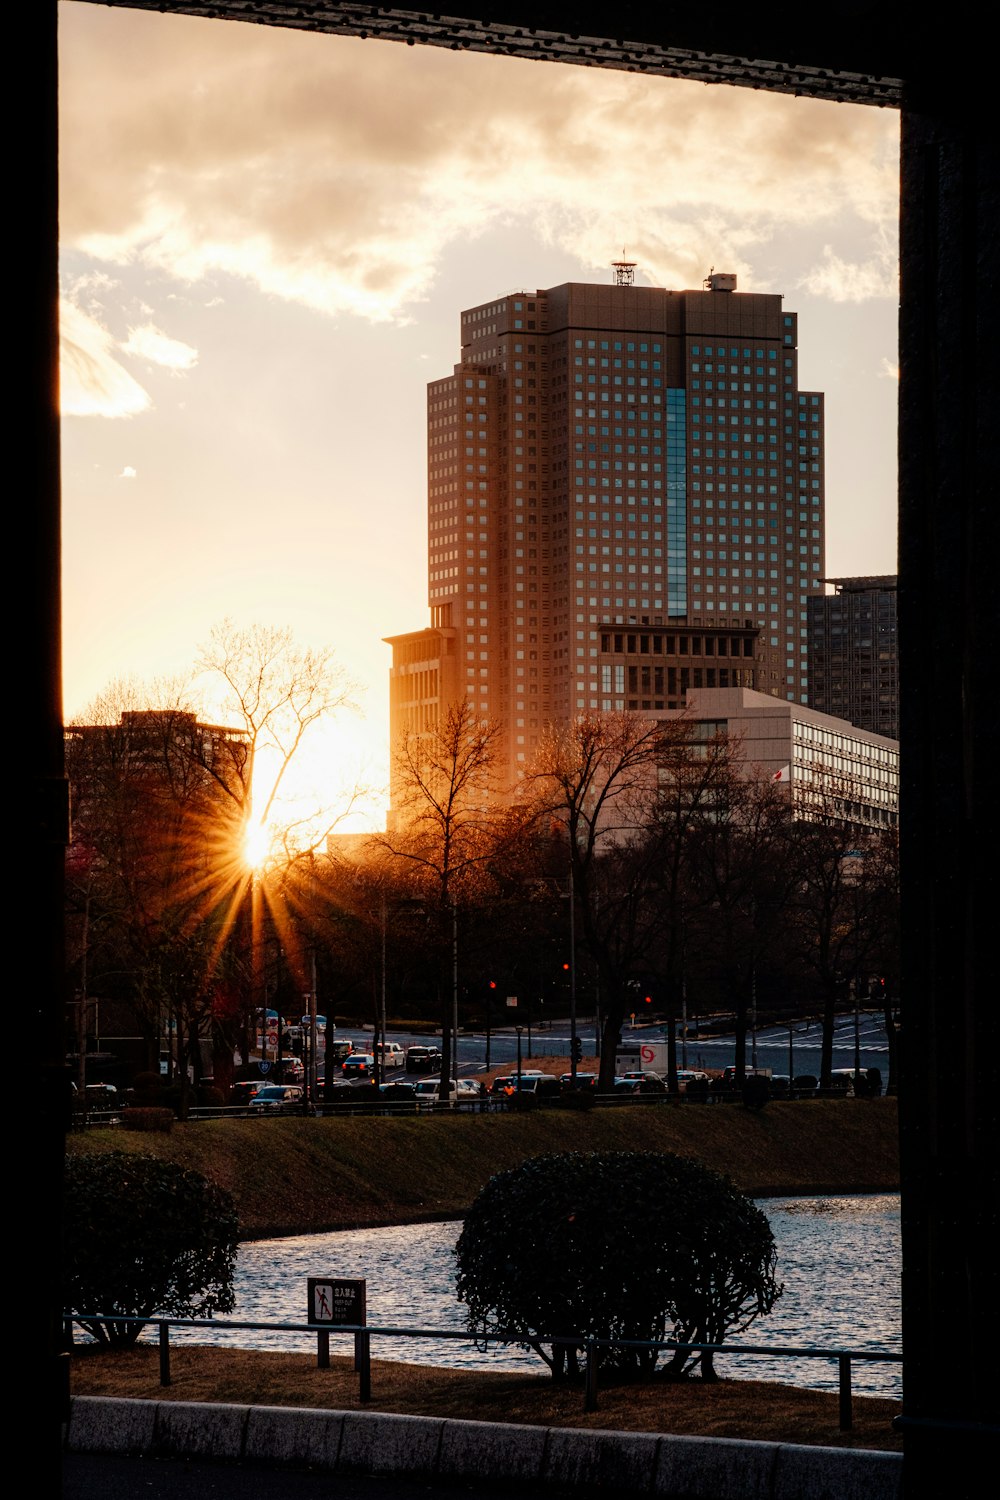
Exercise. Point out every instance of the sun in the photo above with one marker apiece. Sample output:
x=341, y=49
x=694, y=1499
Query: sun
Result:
x=257, y=842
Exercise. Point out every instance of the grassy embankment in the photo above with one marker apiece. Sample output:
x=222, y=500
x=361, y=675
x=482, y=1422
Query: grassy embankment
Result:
x=291, y=1176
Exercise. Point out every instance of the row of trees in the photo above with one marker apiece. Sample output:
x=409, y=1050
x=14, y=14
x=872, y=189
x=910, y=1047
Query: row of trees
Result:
x=687, y=876
x=682, y=878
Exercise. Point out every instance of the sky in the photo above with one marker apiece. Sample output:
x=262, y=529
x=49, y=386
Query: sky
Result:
x=266, y=241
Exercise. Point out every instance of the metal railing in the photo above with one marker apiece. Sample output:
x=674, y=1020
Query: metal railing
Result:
x=591, y=1346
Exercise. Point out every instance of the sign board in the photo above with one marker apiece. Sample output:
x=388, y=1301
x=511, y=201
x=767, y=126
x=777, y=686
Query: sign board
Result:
x=337, y=1302
x=511, y=999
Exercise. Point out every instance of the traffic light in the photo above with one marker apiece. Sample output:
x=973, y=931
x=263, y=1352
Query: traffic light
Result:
x=577, y=1049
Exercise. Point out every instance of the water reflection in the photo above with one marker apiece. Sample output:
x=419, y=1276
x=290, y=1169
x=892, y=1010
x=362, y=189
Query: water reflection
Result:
x=838, y=1258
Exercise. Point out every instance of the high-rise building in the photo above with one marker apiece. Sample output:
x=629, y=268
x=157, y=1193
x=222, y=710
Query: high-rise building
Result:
x=625, y=502
x=853, y=661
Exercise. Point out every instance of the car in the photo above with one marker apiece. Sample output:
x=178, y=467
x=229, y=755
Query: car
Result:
x=583, y=1080
x=391, y=1053
x=243, y=1091
x=420, y=1059
x=358, y=1065
x=468, y=1090
x=398, y=1092
x=428, y=1094
x=397, y=1097
x=646, y=1082
x=687, y=1076
x=277, y=1099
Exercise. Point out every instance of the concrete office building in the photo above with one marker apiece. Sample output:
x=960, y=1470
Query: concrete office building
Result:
x=832, y=770
x=625, y=501
x=853, y=657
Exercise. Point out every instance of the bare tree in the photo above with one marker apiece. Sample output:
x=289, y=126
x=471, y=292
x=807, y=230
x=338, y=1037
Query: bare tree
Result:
x=598, y=777
x=448, y=830
x=745, y=882
x=278, y=693
x=693, y=781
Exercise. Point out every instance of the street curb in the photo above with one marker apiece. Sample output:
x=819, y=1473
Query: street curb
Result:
x=587, y=1459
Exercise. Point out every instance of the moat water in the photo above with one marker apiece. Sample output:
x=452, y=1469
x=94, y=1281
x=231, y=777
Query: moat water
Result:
x=838, y=1259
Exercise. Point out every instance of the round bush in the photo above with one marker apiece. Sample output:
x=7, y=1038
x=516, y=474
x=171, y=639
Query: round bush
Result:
x=142, y=1237
x=618, y=1246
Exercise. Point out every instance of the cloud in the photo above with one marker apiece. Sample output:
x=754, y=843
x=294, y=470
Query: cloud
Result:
x=889, y=370
x=150, y=343
x=843, y=280
x=337, y=173
x=93, y=382
x=127, y=472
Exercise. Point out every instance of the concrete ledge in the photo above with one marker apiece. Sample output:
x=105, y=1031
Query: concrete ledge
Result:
x=491, y=1450
x=386, y=1443
x=104, y=1424
x=293, y=1435
x=836, y=1474
x=699, y=1468
x=492, y=1453
x=583, y=1458
x=200, y=1429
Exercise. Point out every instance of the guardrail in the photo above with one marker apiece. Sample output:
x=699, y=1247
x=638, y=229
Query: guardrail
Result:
x=486, y=1104
x=363, y=1335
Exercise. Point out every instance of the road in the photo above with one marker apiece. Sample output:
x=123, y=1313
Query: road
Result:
x=701, y=1051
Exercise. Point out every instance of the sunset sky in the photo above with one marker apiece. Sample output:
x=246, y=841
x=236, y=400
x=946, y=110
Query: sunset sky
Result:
x=267, y=239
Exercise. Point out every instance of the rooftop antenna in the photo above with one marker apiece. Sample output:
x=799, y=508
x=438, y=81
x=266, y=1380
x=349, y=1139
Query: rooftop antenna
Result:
x=624, y=270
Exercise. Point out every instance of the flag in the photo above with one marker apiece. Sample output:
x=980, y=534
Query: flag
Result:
x=785, y=774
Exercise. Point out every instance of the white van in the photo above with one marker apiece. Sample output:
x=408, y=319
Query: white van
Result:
x=391, y=1054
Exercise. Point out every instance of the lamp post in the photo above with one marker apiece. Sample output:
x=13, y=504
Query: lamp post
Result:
x=489, y=1004
x=572, y=975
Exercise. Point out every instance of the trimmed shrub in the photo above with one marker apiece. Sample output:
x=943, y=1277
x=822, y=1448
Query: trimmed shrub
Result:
x=618, y=1246
x=144, y=1237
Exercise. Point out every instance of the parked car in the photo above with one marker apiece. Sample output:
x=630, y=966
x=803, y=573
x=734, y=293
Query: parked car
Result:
x=277, y=1099
x=583, y=1080
x=428, y=1094
x=358, y=1065
x=420, y=1059
x=646, y=1082
x=687, y=1076
x=243, y=1092
x=398, y=1092
x=399, y=1098
x=468, y=1090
